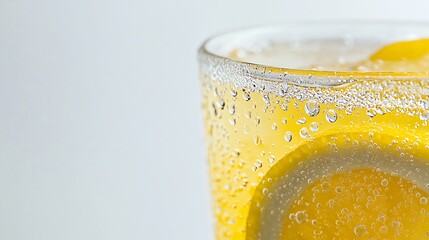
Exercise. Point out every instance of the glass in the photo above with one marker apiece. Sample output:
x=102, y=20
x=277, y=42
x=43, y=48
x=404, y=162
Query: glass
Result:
x=302, y=145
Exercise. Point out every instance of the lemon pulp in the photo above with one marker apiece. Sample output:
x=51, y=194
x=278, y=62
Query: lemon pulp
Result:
x=413, y=50
x=362, y=203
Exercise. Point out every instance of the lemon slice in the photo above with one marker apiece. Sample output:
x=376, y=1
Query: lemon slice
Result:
x=403, y=51
x=345, y=184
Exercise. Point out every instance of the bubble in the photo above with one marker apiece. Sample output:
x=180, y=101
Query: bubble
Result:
x=312, y=108
x=360, y=230
x=338, y=189
x=265, y=191
x=314, y=126
x=383, y=229
x=300, y=217
x=423, y=200
x=288, y=136
x=331, y=116
x=381, y=218
x=304, y=133
x=384, y=182
x=396, y=224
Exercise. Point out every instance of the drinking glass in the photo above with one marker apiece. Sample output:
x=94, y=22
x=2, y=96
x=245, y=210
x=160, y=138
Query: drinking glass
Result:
x=303, y=145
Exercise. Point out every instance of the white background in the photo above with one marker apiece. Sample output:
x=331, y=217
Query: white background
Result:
x=100, y=121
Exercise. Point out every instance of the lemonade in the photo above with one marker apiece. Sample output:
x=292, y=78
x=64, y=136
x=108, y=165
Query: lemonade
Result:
x=317, y=138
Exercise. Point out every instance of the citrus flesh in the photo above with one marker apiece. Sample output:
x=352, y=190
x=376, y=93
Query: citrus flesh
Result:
x=413, y=50
x=344, y=185
x=362, y=203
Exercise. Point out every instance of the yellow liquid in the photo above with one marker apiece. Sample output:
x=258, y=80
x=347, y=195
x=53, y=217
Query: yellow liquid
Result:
x=349, y=162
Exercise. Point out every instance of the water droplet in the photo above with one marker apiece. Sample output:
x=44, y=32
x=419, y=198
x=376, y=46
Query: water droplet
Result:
x=257, y=140
x=424, y=115
x=314, y=126
x=360, y=230
x=232, y=109
x=246, y=96
x=371, y=112
x=331, y=115
x=284, y=120
x=258, y=163
x=220, y=104
x=232, y=121
x=301, y=120
x=246, y=129
x=384, y=182
x=266, y=98
x=215, y=92
x=248, y=114
x=304, y=133
x=274, y=126
x=288, y=136
x=233, y=92
x=349, y=110
x=312, y=108
x=283, y=107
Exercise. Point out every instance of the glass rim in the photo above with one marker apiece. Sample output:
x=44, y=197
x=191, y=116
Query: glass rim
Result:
x=306, y=76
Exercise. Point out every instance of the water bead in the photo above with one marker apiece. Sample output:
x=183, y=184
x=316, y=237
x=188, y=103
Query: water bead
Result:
x=288, y=136
x=312, y=108
x=331, y=115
